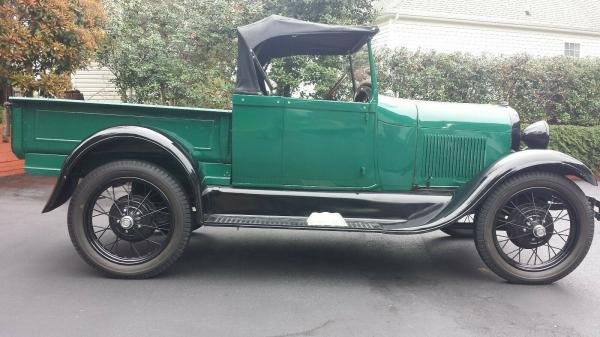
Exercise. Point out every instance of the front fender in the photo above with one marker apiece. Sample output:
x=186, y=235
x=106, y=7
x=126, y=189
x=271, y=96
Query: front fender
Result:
x=115, y=137
x=474, y=193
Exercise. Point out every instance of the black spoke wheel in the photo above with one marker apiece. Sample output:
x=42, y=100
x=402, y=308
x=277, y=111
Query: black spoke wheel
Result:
x=535, y=228
x=129, y=219
x=462, y=228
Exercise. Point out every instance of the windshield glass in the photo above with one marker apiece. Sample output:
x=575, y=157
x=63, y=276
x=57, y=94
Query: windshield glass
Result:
x=321, y=76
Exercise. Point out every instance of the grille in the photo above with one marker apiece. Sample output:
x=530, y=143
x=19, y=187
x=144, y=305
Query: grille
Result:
x=447, y=156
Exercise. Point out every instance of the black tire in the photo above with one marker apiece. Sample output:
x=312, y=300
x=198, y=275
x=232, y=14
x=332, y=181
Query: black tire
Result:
x=464, y=228
x=195, y=226
x=174, y=233
x=560, y=194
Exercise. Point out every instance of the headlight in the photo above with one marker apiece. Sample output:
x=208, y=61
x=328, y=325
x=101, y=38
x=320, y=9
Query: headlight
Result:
x=537, y=135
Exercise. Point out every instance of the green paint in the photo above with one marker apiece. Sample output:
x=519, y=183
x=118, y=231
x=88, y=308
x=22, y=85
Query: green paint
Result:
x=396, y=156
x=215, y=173
x=302, y=144
x=374, y=82
x=388, y=144
x=40, y=164
x=58, y=126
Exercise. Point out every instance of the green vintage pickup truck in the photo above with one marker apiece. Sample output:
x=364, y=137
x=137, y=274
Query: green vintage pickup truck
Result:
x=141, y=178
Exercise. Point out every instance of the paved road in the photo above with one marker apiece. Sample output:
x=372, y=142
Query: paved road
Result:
x=276, y=283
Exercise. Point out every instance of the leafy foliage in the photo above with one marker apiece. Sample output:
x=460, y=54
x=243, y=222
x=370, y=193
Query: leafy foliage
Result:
x=176, y=52
x=322, y=72
x=348, y=12
x=560, y=90
x=43, y=42
x=183, y=52
x=580, y=142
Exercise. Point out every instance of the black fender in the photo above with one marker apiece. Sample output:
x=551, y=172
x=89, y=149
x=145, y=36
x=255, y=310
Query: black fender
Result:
x=474, y=192
x=116, y=138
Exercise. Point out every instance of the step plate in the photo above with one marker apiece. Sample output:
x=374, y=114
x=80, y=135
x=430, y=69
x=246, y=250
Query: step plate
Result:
x=225, y=220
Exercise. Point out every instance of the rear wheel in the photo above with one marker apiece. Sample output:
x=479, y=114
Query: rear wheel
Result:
x=129, y=219
x=535, y=228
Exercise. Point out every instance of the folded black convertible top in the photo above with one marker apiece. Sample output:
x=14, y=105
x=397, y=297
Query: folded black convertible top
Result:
x=279, y=36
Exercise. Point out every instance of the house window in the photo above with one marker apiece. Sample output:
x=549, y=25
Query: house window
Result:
x=572, y=49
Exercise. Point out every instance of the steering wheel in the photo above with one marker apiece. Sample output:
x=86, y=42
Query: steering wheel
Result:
x=363, y=92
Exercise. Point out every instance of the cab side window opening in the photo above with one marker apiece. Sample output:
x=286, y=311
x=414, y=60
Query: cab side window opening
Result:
x=324, y=77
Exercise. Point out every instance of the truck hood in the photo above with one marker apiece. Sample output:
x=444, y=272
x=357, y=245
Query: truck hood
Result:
x=445, y=115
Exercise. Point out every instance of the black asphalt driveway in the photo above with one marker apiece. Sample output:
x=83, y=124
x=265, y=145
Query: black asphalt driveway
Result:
x=254, y=282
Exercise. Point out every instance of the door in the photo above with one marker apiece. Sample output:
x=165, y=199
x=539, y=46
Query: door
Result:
x=281, y=142
x=328, y=144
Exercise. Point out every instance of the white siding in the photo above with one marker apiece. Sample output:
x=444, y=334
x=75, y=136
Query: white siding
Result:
x=95, y=83
x=476, y=39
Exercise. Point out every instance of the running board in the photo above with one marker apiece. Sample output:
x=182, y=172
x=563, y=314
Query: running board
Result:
x=287, y=222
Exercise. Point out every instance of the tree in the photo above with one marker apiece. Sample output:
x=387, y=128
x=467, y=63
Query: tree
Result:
x=176, y=52
x=183, y=52
x=320, y=72
x=346, y=12
x=42, y=42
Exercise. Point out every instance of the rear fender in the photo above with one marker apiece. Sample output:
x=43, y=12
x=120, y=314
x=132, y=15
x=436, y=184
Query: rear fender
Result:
x=471, y=195
x=125, y=139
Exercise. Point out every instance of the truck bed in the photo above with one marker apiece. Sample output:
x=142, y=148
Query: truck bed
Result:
x=45, y=131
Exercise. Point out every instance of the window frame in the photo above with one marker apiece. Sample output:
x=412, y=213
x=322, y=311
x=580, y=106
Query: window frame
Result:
x=572, y=49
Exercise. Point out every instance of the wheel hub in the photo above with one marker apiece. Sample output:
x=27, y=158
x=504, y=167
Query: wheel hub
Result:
x=128, y=219
x=539, y=231
x=127, y=222
x=530, y=226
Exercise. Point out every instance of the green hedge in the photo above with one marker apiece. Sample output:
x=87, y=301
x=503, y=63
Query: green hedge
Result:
x=560, y=90
x=580, y=142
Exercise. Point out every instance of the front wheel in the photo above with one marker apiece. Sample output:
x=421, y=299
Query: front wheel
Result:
x=129, y=219
x=536, y=228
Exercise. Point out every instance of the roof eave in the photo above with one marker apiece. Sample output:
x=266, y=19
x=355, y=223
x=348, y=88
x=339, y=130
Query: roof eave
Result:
x=384, y=17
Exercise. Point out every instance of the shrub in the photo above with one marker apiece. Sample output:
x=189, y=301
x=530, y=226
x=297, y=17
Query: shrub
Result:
x=580, y=142
x=560, y=90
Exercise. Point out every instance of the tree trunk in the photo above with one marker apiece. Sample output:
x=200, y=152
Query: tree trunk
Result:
x=163, y=94
x=5, y=91
x=287, y=90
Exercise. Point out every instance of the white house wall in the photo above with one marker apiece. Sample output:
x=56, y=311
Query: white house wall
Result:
x=477, y=39
x=95, y=83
